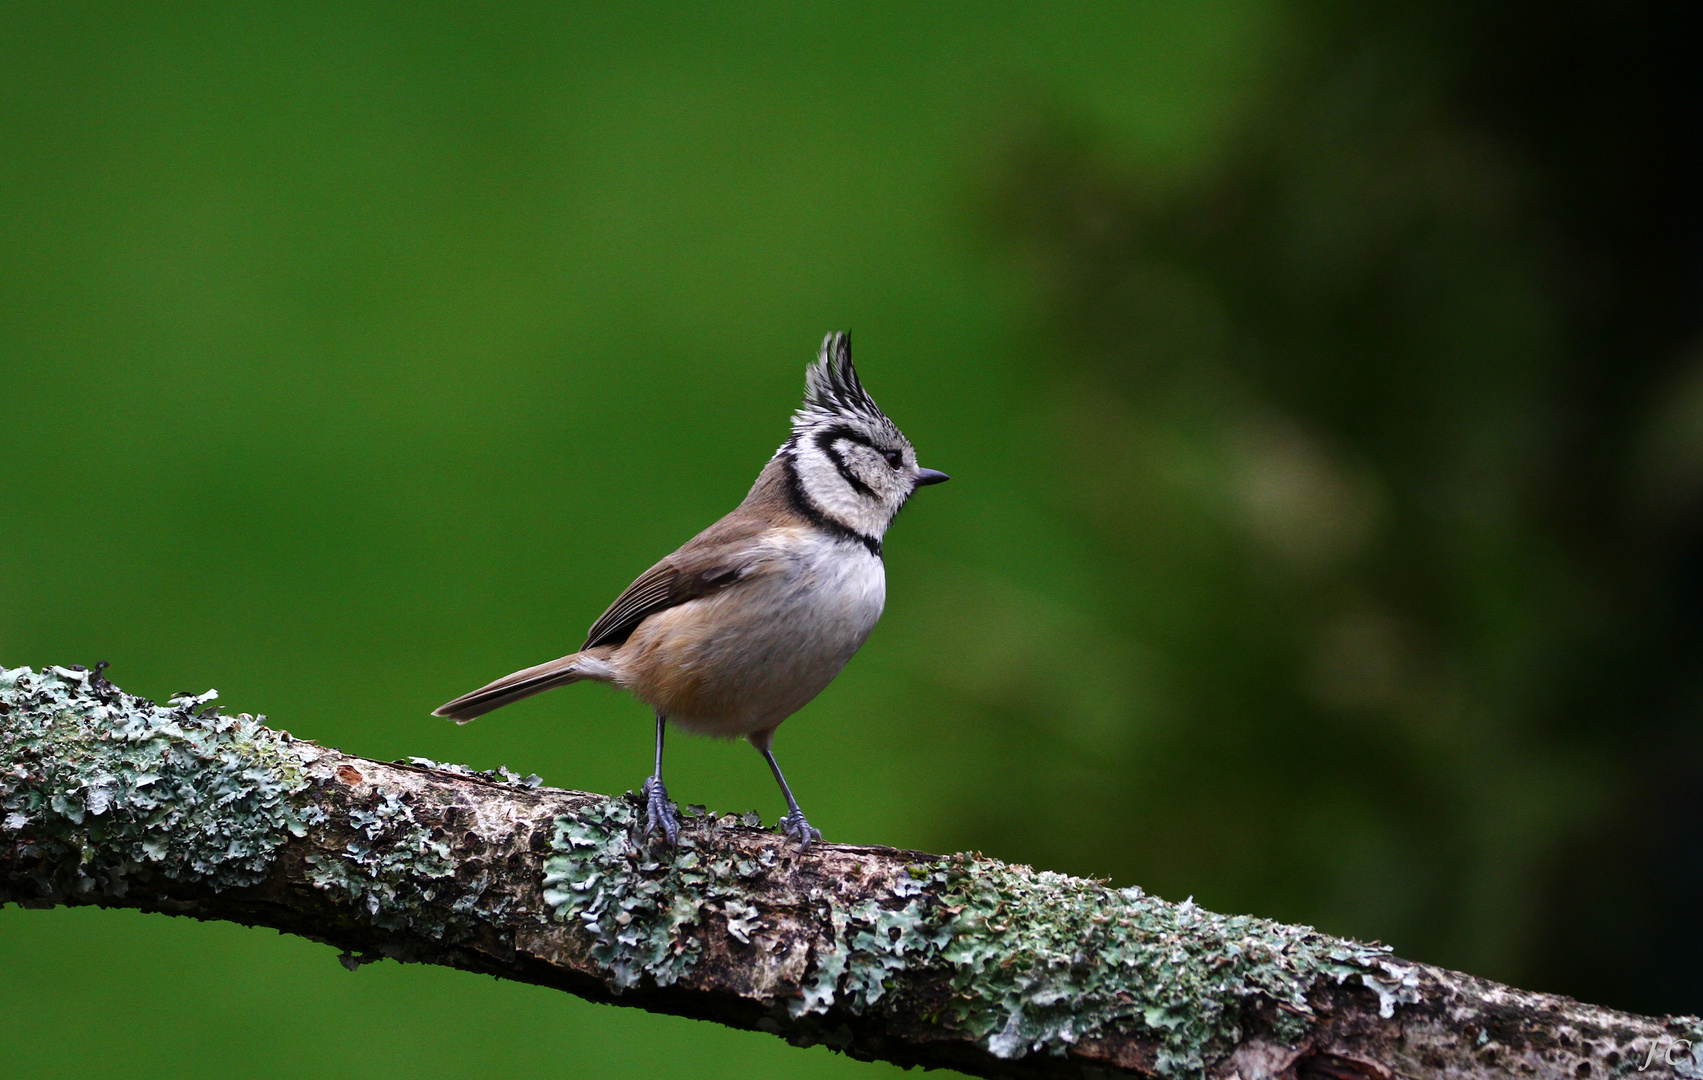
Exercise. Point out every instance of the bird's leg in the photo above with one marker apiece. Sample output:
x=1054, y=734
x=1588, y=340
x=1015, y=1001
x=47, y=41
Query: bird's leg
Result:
x=793, y=824
x=659, y=812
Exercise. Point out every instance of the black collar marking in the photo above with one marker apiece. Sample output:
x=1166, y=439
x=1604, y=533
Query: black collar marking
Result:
x=801, y=505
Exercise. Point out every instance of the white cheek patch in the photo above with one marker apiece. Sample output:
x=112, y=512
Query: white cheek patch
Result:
x=824, y=484
x=853, y=467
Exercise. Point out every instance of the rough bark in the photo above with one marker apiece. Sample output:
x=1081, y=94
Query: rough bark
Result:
x=958, y=962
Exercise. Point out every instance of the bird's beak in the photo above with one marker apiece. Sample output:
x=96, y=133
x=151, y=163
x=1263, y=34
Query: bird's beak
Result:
x=926, y=477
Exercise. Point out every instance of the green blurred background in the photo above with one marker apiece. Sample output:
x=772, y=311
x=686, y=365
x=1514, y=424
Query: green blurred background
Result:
x=1321, y=384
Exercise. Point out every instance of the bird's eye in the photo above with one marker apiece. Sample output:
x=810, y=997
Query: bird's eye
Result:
x=893, y=458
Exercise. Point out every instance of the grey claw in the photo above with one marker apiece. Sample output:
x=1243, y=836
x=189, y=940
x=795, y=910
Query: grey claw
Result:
x=794, y=826
x=659, y=812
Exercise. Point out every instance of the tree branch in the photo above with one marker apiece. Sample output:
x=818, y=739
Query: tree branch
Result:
x=960, y=962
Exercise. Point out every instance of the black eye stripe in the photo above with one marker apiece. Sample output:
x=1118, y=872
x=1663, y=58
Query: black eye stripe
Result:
x=825, y=441
x=828, y=437
x=851, y=478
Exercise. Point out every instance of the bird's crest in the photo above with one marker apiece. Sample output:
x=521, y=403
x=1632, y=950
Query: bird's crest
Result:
x=832, y=391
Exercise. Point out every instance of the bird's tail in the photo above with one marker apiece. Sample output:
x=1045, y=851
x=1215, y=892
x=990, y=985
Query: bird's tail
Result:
x=523, y=684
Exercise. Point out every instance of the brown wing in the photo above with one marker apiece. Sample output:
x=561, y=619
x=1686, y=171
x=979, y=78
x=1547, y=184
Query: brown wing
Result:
x=716, y=558
x=659, y=588
x=723, y=554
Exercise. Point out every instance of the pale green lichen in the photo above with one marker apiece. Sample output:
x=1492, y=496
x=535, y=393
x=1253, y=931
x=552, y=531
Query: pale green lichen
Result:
x=1035, y=962
x=637, y=899
x=1041, y=961
x=391, y=868
x=103, y=786
x=871, y=944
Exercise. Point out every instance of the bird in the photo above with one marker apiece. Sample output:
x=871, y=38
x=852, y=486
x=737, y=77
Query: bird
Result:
x=749, y=620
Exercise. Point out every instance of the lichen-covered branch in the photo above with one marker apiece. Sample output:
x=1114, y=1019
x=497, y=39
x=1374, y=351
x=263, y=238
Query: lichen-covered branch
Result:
x=961, y=962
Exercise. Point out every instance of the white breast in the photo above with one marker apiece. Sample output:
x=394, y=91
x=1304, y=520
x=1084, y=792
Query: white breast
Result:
x=746, y=658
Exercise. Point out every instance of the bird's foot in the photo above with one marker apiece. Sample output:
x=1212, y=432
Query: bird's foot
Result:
x=659, y=812
x=797, y=828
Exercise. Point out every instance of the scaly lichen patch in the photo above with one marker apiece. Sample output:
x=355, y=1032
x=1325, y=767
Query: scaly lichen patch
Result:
x=1037, y=962
x=1034, y=962
x=103, y=786
x=1043, y=960
x=391, y=868
x=873, y=942
x=636, y=900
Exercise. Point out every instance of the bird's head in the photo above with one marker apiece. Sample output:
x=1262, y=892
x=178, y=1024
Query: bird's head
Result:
x=852, y=464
